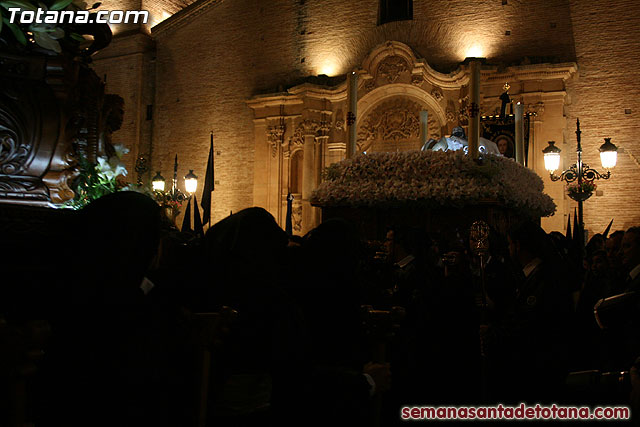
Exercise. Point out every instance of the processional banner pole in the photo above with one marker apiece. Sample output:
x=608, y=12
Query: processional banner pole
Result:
x=352, y=101
x=474, y=107
x=479, y=237
x=519, y=116
x=424, y=127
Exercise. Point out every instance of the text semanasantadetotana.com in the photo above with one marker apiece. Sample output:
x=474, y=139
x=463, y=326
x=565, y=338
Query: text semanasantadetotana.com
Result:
x=521, y=412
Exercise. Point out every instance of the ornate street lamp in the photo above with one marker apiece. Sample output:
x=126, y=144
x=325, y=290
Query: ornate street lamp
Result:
x=174, y=198
x=580, y=173
x=190, y=182
x=158, y=182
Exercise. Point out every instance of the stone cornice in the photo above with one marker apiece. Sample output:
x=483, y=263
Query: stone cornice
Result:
x=296, y=94
x=266, y=120
x=558, y=95
x=453, y=80
x=184, y=16
x=562, y=71
x=126, y=44
x=262, y=101
x=420, y=72
x=309, y=90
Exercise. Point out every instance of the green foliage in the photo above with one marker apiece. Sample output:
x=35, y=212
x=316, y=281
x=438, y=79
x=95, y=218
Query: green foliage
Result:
x=22, y=4
x=17, y=32
x=586, y=187
x=96, y=180
x=52, y=37
x=60, y=4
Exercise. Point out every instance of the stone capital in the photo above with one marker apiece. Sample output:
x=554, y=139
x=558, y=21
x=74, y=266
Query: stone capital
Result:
x=310, y=127
x=274, y=137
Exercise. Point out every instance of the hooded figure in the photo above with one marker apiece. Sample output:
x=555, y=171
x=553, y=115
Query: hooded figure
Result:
x=260, y=361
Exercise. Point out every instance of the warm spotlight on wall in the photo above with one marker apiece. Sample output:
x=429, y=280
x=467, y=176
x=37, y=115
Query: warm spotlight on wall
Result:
x=328, y=66
x=115, y=28
x=158, y=16
x=475, y=51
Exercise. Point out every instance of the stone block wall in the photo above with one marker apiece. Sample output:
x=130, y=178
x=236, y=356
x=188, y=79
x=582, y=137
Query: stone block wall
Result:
x=159, y=10
x=215, y=55
x=128, y=67
x=210, y=63
x=605, y=96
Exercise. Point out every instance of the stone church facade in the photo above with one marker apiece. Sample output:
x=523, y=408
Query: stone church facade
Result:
x=268, y=78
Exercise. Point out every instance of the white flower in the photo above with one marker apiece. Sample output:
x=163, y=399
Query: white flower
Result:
x=117, y=166
x=110, y=168
x=104, y=168
x=121, y=150
x=433, y=177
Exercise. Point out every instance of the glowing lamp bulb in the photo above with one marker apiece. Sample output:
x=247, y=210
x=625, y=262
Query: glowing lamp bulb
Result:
x=551, y=157
x=157, y=183
x=190, y=182
x=608, y=154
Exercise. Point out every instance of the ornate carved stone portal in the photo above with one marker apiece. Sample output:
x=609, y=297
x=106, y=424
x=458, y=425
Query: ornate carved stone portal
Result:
x=391, y=67
x=275, y=138
x=394, y=125
x=301, y=132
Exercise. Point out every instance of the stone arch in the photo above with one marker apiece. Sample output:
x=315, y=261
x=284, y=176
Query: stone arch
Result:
x=417, y=69
x=390, y=117
x=378, y=95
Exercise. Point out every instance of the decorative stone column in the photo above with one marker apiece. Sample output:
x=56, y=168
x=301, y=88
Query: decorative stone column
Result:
x=352, y=105
x=274, y=190
x=308, y=174
x=321, y=142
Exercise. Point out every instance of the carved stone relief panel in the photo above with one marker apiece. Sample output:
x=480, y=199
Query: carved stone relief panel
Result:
x=537, y=108
x=310, y=127
x=369, y=85
x=274, y=137
x=451, y=114
x=304, y=128
x=394, y=125
x=296, y=214
x=295, y=141
x=391, y=68
x=463, y=111
x=437, y=94
x=339, y=120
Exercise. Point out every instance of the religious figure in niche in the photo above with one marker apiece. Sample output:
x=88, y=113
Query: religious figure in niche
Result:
x=505, y=146
x=458, y=141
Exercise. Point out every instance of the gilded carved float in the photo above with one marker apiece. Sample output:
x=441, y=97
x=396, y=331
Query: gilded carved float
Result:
x=52, y=109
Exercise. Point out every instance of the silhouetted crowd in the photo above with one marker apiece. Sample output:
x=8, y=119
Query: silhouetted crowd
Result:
x=325, y=328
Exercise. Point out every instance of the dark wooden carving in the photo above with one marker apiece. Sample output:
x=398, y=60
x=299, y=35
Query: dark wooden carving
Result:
x=49, y=107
